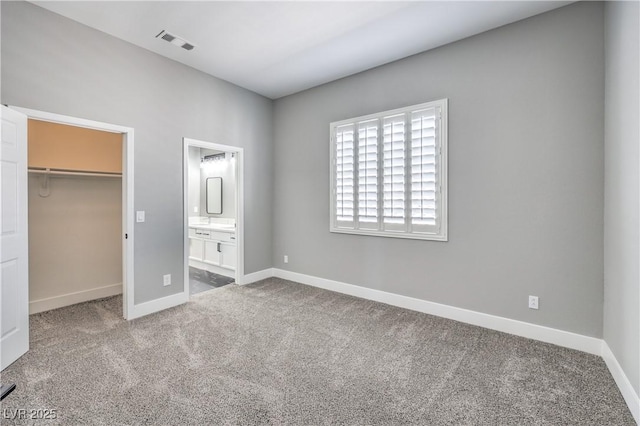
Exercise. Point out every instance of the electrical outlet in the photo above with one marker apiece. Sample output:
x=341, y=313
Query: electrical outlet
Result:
x=533, y=302
x=286, y=259
x=166, y=279
x=195, y=209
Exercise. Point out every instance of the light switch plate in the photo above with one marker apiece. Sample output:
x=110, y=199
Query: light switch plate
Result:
x=140, y=216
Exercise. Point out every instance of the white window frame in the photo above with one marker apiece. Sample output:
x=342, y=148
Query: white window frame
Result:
x=381, y=228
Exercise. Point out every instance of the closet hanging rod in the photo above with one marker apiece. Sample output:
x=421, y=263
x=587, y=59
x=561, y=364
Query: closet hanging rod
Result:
x=73, y=173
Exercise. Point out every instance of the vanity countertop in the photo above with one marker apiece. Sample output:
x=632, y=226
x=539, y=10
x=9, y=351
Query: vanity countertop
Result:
x=218, y=227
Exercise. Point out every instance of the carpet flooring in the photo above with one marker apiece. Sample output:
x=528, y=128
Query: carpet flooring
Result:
x=277, y=352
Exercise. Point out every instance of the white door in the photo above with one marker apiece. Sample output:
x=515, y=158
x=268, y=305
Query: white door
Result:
x=14, y=264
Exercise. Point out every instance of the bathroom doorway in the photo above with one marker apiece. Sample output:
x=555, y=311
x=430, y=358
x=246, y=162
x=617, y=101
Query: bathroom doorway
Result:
x=212, y=216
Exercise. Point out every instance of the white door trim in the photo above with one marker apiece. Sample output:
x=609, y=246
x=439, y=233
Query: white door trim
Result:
x=127, y=191
x=187, y=142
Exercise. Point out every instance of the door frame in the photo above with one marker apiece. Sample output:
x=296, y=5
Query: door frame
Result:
x=239, y=153
x=127, y=191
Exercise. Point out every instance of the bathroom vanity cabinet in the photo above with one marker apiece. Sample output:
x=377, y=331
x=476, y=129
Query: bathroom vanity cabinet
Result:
x=213, y=249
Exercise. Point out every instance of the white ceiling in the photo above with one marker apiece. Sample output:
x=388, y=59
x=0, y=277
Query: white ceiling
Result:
x=277, y=48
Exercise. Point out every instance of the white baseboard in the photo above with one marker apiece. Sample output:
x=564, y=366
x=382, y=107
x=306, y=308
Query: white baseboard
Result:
x=158, y=305
x=256, y=276
x=566, y=339
x=42, y=305
x=628, y=393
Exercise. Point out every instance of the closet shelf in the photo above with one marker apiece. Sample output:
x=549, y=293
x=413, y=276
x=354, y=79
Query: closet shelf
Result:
x=62, y=172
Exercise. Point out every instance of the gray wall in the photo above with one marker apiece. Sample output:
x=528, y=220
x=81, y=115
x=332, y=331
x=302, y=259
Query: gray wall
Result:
x=51, y=63
x=621, y=208
x=525, y=174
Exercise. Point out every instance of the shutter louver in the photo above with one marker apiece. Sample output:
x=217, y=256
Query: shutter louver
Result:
x=368, y=174
x=345, y=162
x=394, y=172
x=424, y=183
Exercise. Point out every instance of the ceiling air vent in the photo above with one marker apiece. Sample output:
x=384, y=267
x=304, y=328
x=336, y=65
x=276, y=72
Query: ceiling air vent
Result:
x=175, y=40
x=167, y=37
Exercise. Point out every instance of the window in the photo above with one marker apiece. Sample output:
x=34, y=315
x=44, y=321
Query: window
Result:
x=389, y=173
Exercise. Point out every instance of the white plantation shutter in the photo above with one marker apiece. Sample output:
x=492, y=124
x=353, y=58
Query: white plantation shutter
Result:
x=424, y=181
x=394, y=172
x=368, y=174
x=345, y=174
x=390, y=172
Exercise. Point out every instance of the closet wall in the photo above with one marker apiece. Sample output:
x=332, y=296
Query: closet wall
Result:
x=73, y=148
x=75, y=244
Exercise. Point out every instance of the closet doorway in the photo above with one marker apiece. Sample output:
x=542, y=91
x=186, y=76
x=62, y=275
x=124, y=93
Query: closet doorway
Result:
x=213, y=215
x=80, y=176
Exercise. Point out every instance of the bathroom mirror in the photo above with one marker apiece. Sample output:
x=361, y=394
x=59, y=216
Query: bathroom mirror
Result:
x=214, y=195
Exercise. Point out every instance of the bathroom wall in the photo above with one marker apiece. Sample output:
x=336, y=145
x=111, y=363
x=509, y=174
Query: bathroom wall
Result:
x=227, y=171
x=193, y=200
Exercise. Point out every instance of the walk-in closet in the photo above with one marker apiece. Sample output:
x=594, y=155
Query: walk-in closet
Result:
x=75, y=214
